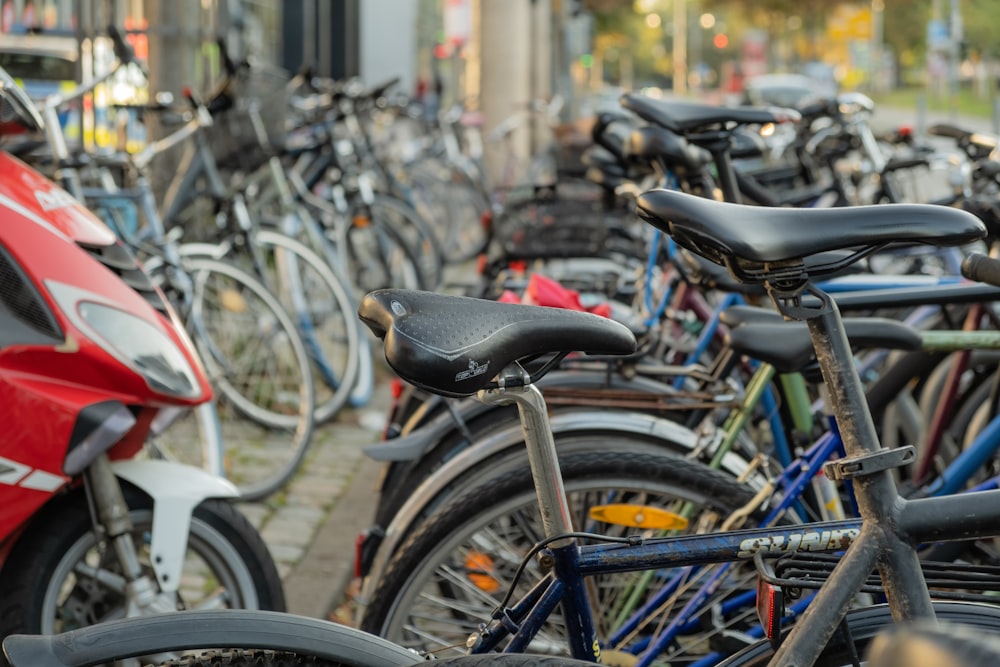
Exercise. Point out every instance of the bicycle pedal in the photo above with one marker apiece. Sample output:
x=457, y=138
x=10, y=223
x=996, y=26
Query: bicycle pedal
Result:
x=638, y=516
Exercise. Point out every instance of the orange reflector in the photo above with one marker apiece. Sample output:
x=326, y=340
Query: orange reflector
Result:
x=478, y=567
x=361, y=221
x=614, y=658
x=233, y=301
x=638, y=516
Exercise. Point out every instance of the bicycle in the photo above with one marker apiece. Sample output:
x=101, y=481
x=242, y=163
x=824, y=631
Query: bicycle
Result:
x=480, y=503
x=488, y=485
x=489, y=460
x=199, y=198
x=255, y=357
x=429, y=463
x=387, y=242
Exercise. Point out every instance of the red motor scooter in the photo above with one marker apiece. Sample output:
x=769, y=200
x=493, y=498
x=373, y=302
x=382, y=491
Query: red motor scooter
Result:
x=90, y=354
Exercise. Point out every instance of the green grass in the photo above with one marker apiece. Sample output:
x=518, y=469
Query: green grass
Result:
x=965, y=101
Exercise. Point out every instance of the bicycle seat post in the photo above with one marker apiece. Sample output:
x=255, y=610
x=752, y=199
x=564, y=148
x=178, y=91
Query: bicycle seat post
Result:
x=514, y=387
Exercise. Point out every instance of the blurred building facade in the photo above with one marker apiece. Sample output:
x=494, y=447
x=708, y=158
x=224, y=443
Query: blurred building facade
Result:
x=492, y=56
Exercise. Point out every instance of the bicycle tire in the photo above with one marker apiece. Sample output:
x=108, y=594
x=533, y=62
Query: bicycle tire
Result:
x=409, y=225
x=212, y=631
x=271, y=443
x=865, y=624
x=493, y=513
x=250, y=658
x=240, y=658
x=377, y=256
x=454, y=205
x=511, y=660
x=325, y=314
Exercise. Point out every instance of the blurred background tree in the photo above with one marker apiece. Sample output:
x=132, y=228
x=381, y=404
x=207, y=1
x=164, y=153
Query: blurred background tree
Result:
x=634, y=38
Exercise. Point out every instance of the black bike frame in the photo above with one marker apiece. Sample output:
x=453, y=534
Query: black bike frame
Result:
x=883, y=539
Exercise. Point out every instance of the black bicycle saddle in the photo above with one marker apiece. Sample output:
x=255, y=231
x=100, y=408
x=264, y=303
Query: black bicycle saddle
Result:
x=454, y=346
x=646, y=144
x=685, y=117
x=788, y=347
x=749, y=238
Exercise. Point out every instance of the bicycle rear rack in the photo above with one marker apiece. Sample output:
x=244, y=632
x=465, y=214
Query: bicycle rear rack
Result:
x=947, y=580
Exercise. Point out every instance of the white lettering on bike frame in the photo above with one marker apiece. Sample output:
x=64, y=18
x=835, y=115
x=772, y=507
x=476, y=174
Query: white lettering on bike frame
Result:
x=812, y=540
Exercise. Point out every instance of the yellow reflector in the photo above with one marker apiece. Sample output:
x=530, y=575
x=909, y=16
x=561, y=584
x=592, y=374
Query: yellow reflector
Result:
x=613, y=658
x=233, y=301
x=638, y=516
x=361, y=221
x=478, y=567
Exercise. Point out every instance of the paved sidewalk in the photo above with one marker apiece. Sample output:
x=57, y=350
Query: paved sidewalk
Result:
x=311, y=526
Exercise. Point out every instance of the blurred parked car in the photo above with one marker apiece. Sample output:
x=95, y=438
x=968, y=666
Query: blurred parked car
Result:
x=43, y=65
x=785, y=90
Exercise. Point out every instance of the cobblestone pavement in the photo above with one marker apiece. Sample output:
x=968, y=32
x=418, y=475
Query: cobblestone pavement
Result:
x=310, y=527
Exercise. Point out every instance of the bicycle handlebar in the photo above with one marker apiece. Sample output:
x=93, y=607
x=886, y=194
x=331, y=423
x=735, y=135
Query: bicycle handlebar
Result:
x=981, y=268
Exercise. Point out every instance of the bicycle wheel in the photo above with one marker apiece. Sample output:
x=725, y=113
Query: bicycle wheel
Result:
x=453, y=204
x=453, y=460
x=864, y=625
x=377, y=256
x=456, y=566
x=265, y=398
x=407, y=224
x=173, y=638
x=324, y=311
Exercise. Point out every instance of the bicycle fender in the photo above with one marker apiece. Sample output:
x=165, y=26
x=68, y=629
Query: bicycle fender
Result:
x=176, y=491
x=413, y=445
x=637, y=423
x=201, y=629
x=209, y=250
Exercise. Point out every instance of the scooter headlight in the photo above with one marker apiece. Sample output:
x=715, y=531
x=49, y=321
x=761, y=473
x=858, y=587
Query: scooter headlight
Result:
x=144, y=347
x=131, y=339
